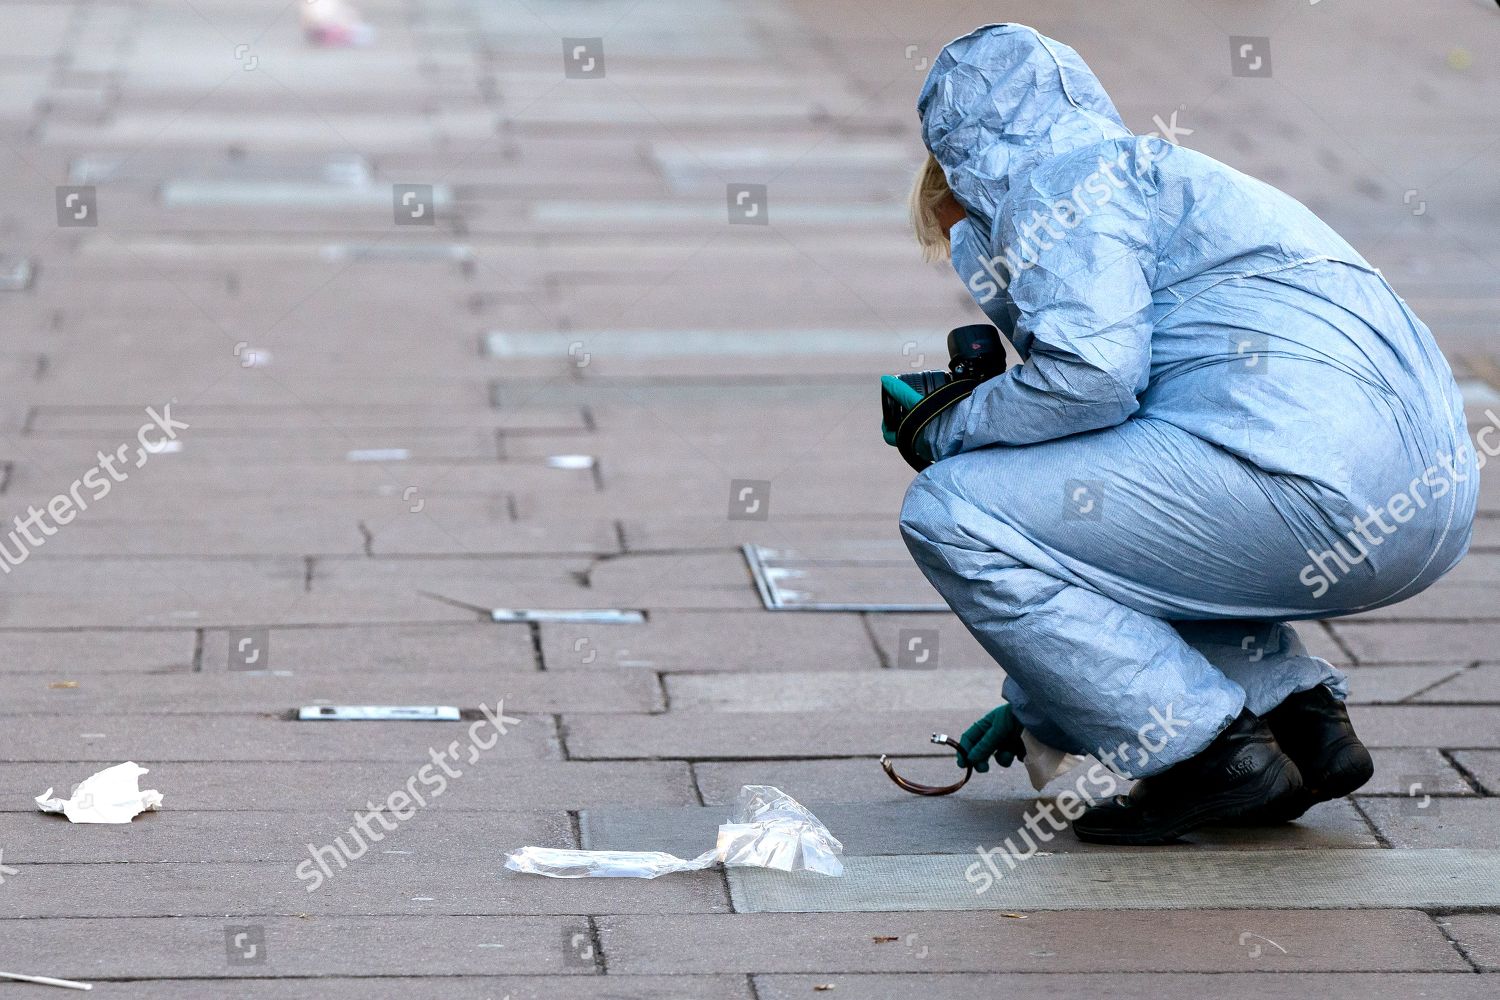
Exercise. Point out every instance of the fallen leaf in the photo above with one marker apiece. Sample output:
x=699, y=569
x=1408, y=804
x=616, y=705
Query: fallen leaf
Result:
x=883, y=938
x=63, y=684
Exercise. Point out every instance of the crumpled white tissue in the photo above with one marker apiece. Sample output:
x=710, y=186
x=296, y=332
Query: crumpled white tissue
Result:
x=113, y=795
x=768, y=829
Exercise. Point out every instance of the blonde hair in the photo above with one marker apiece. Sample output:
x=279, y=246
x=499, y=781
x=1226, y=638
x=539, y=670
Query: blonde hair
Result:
x=928, y=191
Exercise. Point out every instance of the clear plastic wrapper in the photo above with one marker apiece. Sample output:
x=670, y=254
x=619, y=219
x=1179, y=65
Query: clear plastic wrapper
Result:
x=768, y=829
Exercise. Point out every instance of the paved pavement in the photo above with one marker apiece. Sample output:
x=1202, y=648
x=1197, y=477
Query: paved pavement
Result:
x=557, y=305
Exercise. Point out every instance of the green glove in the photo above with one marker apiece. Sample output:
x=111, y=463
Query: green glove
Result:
x=997, y=735
x=904, y=395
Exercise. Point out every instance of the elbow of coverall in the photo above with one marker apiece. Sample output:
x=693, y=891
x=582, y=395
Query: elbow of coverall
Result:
x=1028, y=405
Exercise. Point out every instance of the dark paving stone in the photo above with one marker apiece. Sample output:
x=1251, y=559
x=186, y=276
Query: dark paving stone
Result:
x=491, y=987
x=495, y=783
x=758, y=734
x=442, y=833
x=372, y=885
x=316, y=945
x=267, y=736
x=700, y=735
x=1152, y=941
x=854, y=780
x=976, y=691
x=1137, y=985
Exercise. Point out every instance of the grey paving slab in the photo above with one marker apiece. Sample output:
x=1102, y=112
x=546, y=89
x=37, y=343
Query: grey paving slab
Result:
x=1443, y=602
x=370, y=885
x=161, y=534
x=460, y=827
x=976, y=691
x=857, y=779
x=1052, y=942
x=846, y=575
x=1416, y=642
x=452, y=987
x=1486, y=532
x=943, y=826
x=153, y=593
x=681, y=581
x=354, y=422
x=1396, y=769
x=486, y=649
x=1422, y=725
x=948, y=645
x=231, y=692
x=714, y=641
x=330, y=783
x=53, y=654
x=1390, y=684
x=1420, y=820
x=760, y=735
x=1483, y=766
x=1480, y=685
x=770, y=735
x=480, y=582
x=175, y=947
x=442, y=528
x=1478, y=934
x=265, y=736
x=272, y=485
x=1324, y=879
x=317, y=444
x=707, y=526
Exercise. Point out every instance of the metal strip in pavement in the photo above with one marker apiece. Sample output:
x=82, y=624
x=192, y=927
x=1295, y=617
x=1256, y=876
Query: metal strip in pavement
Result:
x=1158, y=879
x=776, y=596
x=588, y=616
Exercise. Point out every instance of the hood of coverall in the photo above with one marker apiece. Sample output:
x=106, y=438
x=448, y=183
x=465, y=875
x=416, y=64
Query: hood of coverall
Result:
x=1003, y=99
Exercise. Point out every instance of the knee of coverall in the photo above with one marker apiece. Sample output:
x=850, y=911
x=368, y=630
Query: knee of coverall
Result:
x=925, y=520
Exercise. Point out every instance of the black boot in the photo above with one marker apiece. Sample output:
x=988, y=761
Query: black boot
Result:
x=1241, y=772
x=1314, y=730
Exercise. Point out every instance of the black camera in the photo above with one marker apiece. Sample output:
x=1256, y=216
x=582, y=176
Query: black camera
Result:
x=975, y=353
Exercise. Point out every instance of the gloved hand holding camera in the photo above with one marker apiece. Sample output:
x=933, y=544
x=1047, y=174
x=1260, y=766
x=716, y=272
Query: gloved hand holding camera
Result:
x=910, y=402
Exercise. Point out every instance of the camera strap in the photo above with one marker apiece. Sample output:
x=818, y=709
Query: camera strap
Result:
x=924, y=412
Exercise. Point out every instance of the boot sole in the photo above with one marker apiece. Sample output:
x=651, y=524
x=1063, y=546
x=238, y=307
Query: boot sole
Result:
x=1278, y=783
